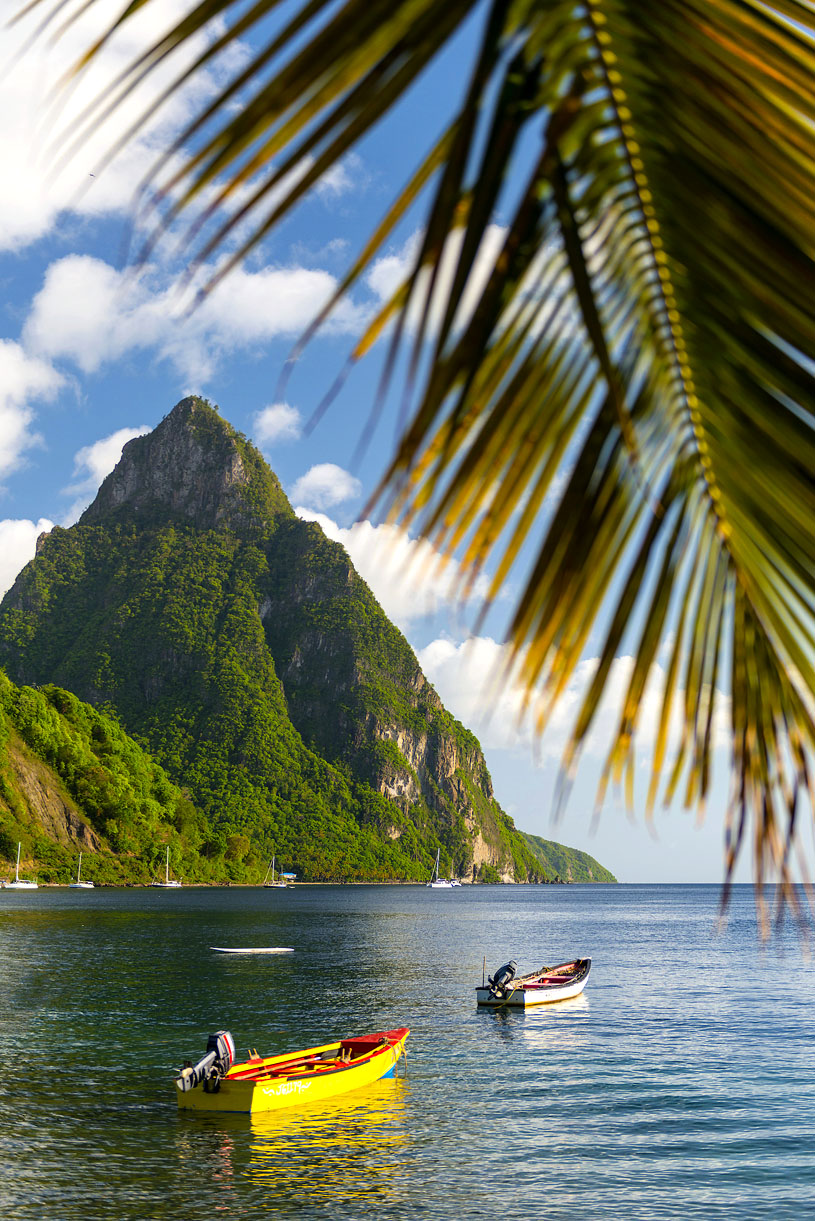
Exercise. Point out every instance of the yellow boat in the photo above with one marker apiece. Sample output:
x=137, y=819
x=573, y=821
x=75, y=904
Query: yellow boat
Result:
x=265, y=1083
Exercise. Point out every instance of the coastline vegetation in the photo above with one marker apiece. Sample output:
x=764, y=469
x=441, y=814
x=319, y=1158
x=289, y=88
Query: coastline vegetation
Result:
x=71, y=779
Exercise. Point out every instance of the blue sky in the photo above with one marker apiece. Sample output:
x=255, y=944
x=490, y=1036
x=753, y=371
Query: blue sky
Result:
x=94, y=351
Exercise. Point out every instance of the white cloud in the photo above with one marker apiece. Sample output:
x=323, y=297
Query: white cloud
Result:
x=249, y=306
x=475, y=681
x=31, y=196
x=347, y=175
x=407, y=576
x=22, y=380
x=324, y=486
x=90, y=313
x=388, y=273
x=36, y=187
x=276, y=423
x=472, y=680
x=18, y=541
x=92, y=463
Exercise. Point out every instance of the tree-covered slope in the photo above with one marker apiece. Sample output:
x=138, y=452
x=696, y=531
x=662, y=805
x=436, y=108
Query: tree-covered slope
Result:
x=71, y=781
x=564, y=864
x=240, y=644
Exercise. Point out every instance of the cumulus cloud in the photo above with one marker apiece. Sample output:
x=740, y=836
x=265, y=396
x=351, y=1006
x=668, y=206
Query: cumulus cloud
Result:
x=91, y=314
x=37, y=186
x=476, y=682
x=407, y=576
x=23, y=380
x=324, y=486
x=31, y=196
x=276, y=423
x=389, y=271
x=18, y=540
x=92, y=463
x=347, y=175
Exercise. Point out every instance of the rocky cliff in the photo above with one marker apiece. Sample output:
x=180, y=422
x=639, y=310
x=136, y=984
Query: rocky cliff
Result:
x=243, y=647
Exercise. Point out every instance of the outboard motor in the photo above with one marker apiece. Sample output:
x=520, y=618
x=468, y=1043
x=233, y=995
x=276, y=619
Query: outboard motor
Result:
x=499, y=983
x=215, y=1064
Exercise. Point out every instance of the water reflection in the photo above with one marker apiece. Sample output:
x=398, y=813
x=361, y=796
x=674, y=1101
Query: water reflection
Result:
x=546, y=1027
x=343, y=1149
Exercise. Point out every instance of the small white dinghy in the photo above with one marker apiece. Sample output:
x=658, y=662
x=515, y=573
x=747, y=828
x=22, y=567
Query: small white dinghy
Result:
x=256, y=949
x=541, y=987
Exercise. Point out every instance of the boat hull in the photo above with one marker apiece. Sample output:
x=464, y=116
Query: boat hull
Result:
x=526, y=995
x=270, y=1093
x=257, y=949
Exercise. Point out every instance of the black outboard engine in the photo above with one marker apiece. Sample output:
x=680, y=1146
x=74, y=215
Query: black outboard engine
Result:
x=503, y=977
x=214, y=1065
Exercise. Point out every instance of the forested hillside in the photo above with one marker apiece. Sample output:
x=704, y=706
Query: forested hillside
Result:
x=241, y=647
x=71, y=780
x=564, y=864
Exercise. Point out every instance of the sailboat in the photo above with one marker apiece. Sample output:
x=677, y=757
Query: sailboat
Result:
x=437, y=883
x=19, y=883
x=167, y=883
x=280, y=884
x=79, y=884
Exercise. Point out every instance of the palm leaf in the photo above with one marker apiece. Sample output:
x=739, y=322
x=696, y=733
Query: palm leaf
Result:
x=643, y=336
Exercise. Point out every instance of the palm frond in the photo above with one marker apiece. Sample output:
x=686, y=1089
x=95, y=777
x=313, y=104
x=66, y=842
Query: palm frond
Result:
x=643, y=336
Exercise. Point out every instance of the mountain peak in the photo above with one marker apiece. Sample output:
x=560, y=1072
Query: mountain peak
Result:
x=196, y=466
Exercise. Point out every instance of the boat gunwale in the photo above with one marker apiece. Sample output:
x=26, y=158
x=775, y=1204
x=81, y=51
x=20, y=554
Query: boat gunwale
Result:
x=274, y=1067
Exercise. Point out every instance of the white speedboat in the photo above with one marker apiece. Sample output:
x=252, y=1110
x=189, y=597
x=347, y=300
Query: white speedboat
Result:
x=19, y=883
x=541, y=987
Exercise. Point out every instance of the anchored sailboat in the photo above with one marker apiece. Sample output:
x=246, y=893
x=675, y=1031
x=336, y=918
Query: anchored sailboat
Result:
x=280, y=884
x=79, y=884
x=19, y=883
x=167, y=883
x=437, y=883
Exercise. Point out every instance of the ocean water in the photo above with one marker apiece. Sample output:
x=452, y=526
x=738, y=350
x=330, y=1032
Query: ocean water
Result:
x=680, y=1084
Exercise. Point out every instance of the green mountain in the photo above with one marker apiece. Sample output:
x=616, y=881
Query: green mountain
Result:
x=71, y=780
x=564, y=864
x=241, y=647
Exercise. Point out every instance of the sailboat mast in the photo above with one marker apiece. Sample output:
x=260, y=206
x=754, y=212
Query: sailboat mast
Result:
x=17, y=869
x=167, y=869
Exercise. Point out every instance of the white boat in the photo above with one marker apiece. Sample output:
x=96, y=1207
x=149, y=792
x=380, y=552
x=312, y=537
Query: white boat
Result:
x=79, y=884
x=19, y=883
x=252, y=949
x=280, y=884
x=541, y=987
x=167, y=884
x=437, y=883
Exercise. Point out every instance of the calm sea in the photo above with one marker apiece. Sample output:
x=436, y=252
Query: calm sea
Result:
x=680, y=1085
